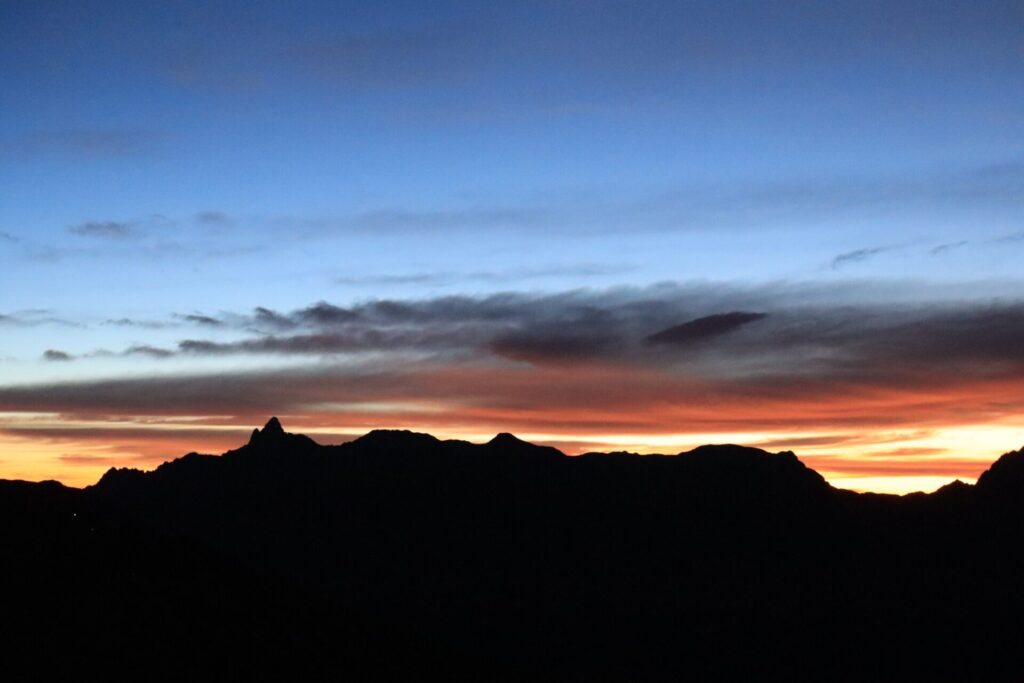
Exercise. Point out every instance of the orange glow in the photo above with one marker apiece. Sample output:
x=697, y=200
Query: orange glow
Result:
x=865, y=435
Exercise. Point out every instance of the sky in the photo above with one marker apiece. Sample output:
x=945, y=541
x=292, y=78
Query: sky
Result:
x=599, y=225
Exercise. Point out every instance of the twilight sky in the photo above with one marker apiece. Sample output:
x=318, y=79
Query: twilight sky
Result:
x=599, y=225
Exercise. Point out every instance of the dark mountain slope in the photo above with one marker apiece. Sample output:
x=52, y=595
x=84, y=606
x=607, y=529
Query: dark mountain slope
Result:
x=399, y=555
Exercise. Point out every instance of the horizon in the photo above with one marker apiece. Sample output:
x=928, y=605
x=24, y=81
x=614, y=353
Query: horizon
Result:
x=601, y=227
x=274, y=424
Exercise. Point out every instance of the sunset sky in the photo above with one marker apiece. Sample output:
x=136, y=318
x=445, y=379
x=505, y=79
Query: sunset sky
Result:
x=598, y=225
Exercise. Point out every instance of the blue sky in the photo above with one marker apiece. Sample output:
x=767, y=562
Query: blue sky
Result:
x=207, y=159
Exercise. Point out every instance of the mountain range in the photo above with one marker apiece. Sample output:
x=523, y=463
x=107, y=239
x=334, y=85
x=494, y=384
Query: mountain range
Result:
x=398, y=556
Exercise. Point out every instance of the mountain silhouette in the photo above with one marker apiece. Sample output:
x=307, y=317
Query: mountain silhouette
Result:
x=399, y=556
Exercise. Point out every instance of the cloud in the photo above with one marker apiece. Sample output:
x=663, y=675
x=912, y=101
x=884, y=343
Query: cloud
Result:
x=440, y=278
x=263, y=318
x=756, y=331
x=83, y=459
x=199, y=319
x=134, y=350
x=147, y=350
x=420, y=220
x=408, y=279
x=549, y=348
x=132, y=322
x=948, y=247
x=856, y=256
x=549, y=399
x=33, y=318
x=213, y=218
x=703, y=329
x=104, y=229
x=1010, y=238
x=85, y=143
x=8, y=237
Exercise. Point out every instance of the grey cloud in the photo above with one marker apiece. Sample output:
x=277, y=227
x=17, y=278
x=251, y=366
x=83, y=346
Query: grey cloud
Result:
x=200, y=319
x=264, y=318
x=134, y=350
x=85, y=144
x=104, y=229
x=323, y=314
x=147, y=350
x=35, y=317
x=341, y=342
x=470, y=217
x=615, y=325
x=132, y=322
x=727, y=331
x=503, y=276
x=213, y=218
x=703, y=329
x=1010, y=238
x=856, y=256
x=950, y=246
x=410, y=279
x=546, y=348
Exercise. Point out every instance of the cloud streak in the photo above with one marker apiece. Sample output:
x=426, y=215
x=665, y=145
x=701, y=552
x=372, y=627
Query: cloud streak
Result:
x=84, y=144
x=722, y=331
x=856, y=256
x=114, y=230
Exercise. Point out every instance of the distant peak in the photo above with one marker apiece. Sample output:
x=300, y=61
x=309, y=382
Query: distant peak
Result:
x=505, y=438
x=395, y=436
x=271, y=430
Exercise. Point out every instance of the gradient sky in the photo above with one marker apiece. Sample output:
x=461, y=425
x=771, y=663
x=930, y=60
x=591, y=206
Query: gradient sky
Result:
x=600, y=225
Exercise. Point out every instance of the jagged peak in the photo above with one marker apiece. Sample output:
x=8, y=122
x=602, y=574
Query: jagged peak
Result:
x=1008, y=470
x=273, y=428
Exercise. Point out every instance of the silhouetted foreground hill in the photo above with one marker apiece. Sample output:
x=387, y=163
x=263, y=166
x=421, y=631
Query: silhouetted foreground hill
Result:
x=401, y=557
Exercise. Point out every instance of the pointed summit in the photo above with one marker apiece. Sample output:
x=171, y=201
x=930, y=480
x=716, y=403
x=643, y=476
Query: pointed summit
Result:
x=505, y=439
x=271, y=430
x=273, y=439
x=273, y=426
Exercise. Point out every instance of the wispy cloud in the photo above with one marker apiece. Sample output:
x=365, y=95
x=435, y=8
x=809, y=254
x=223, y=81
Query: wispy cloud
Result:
x=116, y=230
x=136, y=322
x=217, y=218
x=857, y=256
x=199, y=319
x=948, y=247
x=85, y=143
x=439, y=278
x=147, y=350
x=730, y=331
x=34, y=318
x=1010, y=238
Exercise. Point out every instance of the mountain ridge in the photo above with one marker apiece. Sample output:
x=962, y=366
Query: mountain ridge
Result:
x=273, y=436
x=402, y=556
